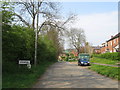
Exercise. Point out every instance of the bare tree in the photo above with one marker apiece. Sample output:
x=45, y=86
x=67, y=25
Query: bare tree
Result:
x=76, y=38
x=31, y=12
x=34, y=10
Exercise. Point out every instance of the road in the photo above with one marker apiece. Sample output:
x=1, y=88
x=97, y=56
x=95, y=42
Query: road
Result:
x=69, y=75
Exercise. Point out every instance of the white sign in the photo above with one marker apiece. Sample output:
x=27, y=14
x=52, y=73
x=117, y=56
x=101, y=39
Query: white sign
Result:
x=29, y=66
x=24, y=62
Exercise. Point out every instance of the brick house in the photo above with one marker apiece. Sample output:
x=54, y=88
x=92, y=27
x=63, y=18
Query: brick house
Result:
x=104, y=48
x=71, y=51
x=96, y=49
x=111, y=45
x=74, y=52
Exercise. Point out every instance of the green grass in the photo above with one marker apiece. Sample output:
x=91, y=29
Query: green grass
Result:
x=107, y=71
x=103, y=61
x=24, y=78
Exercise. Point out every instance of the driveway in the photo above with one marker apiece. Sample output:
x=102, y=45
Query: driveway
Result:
x=69, y=75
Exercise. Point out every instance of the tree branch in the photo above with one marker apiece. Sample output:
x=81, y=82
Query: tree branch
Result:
x=50, y=24
x=22, y=19
x=27, y=6
x=69, y=19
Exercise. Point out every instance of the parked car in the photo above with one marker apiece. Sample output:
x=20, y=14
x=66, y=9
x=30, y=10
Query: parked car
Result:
x=83, y=59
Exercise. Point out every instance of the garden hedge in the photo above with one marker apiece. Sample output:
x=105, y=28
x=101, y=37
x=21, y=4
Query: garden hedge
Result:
x=113, y=56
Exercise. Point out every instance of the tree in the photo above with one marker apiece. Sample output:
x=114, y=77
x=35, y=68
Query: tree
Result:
x=88, y=48
x=34, y=9
x=30, y=13
x=76, y=38
x=7, y=13
x=53, y=34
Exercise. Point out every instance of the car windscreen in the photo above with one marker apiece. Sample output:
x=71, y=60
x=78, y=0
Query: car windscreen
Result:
x=84, y=59
x=83, y=56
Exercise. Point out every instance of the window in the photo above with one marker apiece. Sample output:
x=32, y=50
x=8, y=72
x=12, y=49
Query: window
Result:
x=114, y=40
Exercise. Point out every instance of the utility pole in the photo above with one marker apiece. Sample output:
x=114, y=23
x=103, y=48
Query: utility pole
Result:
x=36, y=37
x=35, y=61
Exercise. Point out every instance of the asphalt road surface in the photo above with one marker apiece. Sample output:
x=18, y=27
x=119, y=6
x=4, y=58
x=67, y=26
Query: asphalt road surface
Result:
x=69, y=75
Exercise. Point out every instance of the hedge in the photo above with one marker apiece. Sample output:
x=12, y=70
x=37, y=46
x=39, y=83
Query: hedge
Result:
x=113, y=56
x=18, y=44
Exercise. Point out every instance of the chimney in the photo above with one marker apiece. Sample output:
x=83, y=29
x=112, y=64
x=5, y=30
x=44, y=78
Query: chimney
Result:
x=111, y=36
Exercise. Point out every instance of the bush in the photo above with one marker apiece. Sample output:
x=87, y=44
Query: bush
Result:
x=46, y=50
x=18, y=43
x=113, y=56
x=66, y=58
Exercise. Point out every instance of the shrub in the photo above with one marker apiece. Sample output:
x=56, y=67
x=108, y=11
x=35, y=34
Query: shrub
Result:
x=18, y=43
x=113, y=56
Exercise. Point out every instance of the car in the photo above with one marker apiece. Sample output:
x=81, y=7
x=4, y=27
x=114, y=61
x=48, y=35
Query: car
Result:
x=83, y=59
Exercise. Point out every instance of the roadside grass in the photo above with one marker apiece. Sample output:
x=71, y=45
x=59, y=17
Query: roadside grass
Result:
x=103, y=61
x=112, y=72
x=72, y=60
x=24, y=78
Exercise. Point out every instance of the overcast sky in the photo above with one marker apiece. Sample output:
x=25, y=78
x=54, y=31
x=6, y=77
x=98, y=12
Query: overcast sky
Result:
x=98, y=19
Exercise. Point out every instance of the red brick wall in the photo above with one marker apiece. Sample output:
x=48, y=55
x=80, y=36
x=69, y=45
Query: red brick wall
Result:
x=103, y=49
x=112, y=44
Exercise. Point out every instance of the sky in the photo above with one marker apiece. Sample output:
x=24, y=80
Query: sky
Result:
x=98, y=19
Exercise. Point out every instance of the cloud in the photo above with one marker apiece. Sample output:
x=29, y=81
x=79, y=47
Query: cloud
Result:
x=98, y=26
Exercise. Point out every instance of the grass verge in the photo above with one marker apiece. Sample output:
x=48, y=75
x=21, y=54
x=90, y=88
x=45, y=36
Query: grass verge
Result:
x=72, y=60
x=112, y=72
x=24, y=78
x=103, y=61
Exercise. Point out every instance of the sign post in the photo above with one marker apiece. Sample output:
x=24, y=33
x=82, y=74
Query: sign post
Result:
x=25, y=62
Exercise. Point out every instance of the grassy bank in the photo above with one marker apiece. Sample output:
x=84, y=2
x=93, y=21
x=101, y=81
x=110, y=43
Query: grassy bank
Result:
x=24, y=78
x=112, y=72
x=108, y=71
x=104, y=61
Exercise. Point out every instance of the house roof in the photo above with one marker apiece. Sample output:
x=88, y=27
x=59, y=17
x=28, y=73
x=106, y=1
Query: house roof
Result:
x=116, y=36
